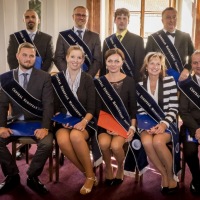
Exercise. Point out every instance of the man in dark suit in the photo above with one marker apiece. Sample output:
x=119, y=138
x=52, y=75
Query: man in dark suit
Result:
x=131, y=44
x=180, y=40
x=90, y=41
x=42, y=41
x=190, y=114
x=31, y=99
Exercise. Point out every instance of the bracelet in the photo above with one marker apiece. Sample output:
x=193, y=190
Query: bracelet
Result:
x=85, y=120
x=133, y=128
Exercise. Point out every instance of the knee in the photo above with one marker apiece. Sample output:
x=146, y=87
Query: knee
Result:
x=104, y=145
x=76, y=137
x=46, y=142
x=157, y=143
x=116, y=147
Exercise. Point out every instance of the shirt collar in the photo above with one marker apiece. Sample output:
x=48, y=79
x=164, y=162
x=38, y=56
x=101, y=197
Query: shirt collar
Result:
x=82, y=29
x=31, y=32
x=123, y=33
x=168, y=31
x=20, y=72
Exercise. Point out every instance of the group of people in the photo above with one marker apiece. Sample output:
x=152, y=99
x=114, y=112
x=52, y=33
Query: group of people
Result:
x=137, y=87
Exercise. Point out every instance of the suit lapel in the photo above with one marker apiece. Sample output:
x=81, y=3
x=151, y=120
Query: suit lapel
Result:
x=178, y=39
x=37, y=37
x=160, y=93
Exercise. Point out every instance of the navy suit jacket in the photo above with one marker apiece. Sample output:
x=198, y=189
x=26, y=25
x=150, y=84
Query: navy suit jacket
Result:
x=44, y=44
x=134, y=45
x=183, y=44
x=92, y=40
x=39, y=86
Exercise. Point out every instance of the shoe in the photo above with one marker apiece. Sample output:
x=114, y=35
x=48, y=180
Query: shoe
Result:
x=195, y=188
x=85, y=190
x=35, y=184
x=109, y=182
x=173, y=190
x=19, y=155
x=117, y=181
x=9, y=183
x=164, y=190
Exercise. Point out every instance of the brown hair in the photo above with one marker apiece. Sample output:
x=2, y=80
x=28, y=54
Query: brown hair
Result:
x=147, y=58
x=75, y=47
x=113, y=51
x=122, y=11
x=25, y=45
x=168, y=8
x=82, y=8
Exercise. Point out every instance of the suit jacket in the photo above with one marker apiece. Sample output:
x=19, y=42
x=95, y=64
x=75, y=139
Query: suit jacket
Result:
x=189, y=113
x=44, y=44
x=92, y=40
x=183, y=44
x=134, y=45
x=39, y=86
x=85, y=93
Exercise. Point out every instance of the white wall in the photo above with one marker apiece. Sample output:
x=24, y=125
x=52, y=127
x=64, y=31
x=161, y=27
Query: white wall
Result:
x=56, y=16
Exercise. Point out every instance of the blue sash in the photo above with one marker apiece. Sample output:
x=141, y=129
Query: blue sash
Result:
x=72, y=39
x=145, y=100
x=22, y=36
x=191, y=90
x=71, y=103
x=135, y=157
x=128, y=66
x=25, y=100
x=170, y=52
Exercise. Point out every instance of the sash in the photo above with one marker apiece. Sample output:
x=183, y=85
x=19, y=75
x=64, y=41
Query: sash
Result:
x=136, y=157
x=72, y=39
x=145, y=100
x=170, y=52
x=191, y=90
x=24, y=99
x=21, y=37
x=113, y=42
x=71, y=103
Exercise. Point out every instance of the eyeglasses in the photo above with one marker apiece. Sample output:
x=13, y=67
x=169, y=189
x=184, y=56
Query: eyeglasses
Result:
x=80, y=15
x=170, y=18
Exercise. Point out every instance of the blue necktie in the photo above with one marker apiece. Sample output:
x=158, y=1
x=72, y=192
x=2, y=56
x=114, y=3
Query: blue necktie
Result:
x=79, y=33
x=25, y=83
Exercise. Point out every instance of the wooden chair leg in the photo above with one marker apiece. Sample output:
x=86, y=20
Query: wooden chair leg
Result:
x=51, y=166
x=183, y=165
x=14, y=149
x=57, y=161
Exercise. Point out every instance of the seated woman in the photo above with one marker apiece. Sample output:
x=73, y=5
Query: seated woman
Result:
x=120, y=89
x=76, y=92
x=162, y=91
x=190, y=114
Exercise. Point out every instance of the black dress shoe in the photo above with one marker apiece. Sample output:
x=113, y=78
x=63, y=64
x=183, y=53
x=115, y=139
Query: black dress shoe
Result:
x=35, y=184
x=173, y=190
x=164, y=190
x=117, y=181
x=9, y=183
x=109, y=182
x=195, y=188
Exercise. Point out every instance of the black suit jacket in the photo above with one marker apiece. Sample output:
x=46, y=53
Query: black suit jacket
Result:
x=189, y=113
x=183, y=44
x=44, y=44
x=134, y=45
x=39, y=86
x=92, y=40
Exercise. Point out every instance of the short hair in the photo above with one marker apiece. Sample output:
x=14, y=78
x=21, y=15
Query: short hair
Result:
x=25, y=45
x=167, y=9
x=121, y=11
x=147, y=58
x=75, y=47
x=83, y=7
x=196, y=52
x=113, y=51
x=31, y=10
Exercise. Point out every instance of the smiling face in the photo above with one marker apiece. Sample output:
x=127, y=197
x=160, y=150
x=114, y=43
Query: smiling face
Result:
x=196, y=63
x=114, y=63
x=75, y=59
x=80, y=17
x=169, y=20
x=31, y=19
x=154, y=66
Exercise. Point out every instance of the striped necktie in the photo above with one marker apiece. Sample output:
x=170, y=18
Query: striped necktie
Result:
x=25, y=83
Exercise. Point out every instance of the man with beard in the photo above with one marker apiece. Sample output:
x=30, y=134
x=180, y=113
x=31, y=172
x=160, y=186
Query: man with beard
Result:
x=132, y=45
x=79, y=34
x=42, y=42
x=30, y=95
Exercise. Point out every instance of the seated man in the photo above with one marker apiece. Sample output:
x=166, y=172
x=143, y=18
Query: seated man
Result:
x=30, y=94
x=190, y=114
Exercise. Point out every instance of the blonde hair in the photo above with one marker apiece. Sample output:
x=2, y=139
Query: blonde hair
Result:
x=25, y=45
x=75, y=47
x=147, y=58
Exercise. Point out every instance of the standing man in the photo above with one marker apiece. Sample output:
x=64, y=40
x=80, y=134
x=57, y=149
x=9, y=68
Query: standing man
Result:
x=30, y=94
x=176, y=45
x=190, y=113
x=131, y=45
x=79, y=34
x=42, y=42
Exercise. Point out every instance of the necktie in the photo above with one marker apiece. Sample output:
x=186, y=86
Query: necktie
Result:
x=31, y=35
x=25, y=83
x=172, y=34
x=119, y=37
x=79, y=33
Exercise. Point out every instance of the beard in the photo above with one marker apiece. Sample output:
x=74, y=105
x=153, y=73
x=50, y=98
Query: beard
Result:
x=25, y=66
x=30, y=26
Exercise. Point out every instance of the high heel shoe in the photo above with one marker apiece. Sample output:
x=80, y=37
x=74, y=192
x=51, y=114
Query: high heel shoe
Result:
x=84, y=190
